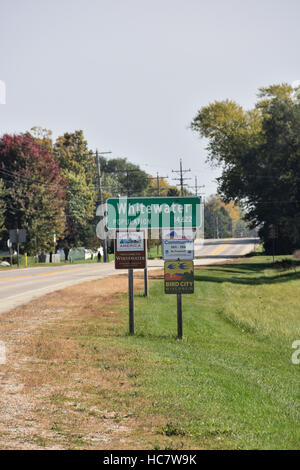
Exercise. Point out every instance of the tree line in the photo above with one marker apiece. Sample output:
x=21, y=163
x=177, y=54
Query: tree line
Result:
x=259, y=153
x=50, y=187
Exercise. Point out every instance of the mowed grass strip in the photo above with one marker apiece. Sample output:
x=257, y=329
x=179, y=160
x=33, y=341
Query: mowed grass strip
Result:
x=230, y=383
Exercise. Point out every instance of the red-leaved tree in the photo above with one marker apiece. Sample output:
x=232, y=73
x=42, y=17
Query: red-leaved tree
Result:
x=35, y=194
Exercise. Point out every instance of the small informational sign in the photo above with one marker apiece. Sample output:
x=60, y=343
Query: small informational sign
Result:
x=179, y=277
x=130, y=250
x=17, y=235
x=130, y=241
x=178, y=250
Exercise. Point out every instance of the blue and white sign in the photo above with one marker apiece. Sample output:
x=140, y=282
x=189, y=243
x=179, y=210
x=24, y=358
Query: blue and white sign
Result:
x=178, y=250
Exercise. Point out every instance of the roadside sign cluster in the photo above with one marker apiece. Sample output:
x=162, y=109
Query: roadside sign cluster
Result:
x=176, y=217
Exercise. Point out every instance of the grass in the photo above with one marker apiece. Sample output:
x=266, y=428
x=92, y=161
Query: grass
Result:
x=230, y=383
x=155, y=252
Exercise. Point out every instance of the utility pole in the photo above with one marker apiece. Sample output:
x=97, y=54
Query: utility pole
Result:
x=100, y=201
x=181, y=178
x=197, y=187
x=158, y=178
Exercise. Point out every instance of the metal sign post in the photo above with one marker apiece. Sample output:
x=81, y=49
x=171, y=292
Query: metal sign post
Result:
x=146, y=282
x=179, y=316
x=179, y=279
x=131, y=301
x=131, y=253
x=18, y=248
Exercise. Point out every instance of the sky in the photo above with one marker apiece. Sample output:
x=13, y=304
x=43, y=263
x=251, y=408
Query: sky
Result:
x=133, y=73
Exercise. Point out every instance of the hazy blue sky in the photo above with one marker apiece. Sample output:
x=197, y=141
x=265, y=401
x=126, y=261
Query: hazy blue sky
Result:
x=133, y=73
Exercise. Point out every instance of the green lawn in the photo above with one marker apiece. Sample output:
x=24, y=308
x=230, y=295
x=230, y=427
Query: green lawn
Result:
x=230, y=383
x=154, y=252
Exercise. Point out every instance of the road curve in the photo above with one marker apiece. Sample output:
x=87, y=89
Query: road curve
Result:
x=19, y=286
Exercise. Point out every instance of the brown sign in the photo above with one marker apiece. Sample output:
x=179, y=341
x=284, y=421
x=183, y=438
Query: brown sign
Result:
x=130, y=250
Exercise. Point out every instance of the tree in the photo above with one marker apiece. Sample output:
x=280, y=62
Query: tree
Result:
x=42, y=136
x=34, y=190
x=2, y=204
x=124, y=178
x=77, y=165
x=259, y=151
x=217, y=221
x=173, y=191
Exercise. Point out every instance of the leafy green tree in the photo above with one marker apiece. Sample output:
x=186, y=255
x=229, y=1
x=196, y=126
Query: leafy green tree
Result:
x=217, y=221
x=77, y=165
x=173, y=191
x=124, y=178
x=259, y=151
x=34, y=191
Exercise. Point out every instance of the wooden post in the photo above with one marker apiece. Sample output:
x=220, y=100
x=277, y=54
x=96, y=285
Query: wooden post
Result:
x=146, y=282
x=179, y=316
x=131, y=301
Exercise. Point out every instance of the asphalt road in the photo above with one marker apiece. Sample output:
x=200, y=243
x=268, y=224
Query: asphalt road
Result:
x=18, y=286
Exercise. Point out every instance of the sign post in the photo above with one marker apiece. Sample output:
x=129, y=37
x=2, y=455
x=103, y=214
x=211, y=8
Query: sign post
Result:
x=273, y=234
x=131, y=253
x=179, y=279
x=146, y=282
x=130, y=216
x=131, y=301
x=179, y=316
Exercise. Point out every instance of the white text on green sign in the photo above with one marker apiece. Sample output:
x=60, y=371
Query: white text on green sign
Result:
x=156, y=212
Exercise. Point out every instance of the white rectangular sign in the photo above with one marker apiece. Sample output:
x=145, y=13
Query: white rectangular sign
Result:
x=178, y=250
x=130, y=241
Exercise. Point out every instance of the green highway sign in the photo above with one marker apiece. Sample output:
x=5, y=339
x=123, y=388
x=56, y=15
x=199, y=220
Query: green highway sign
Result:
x=153, y=212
